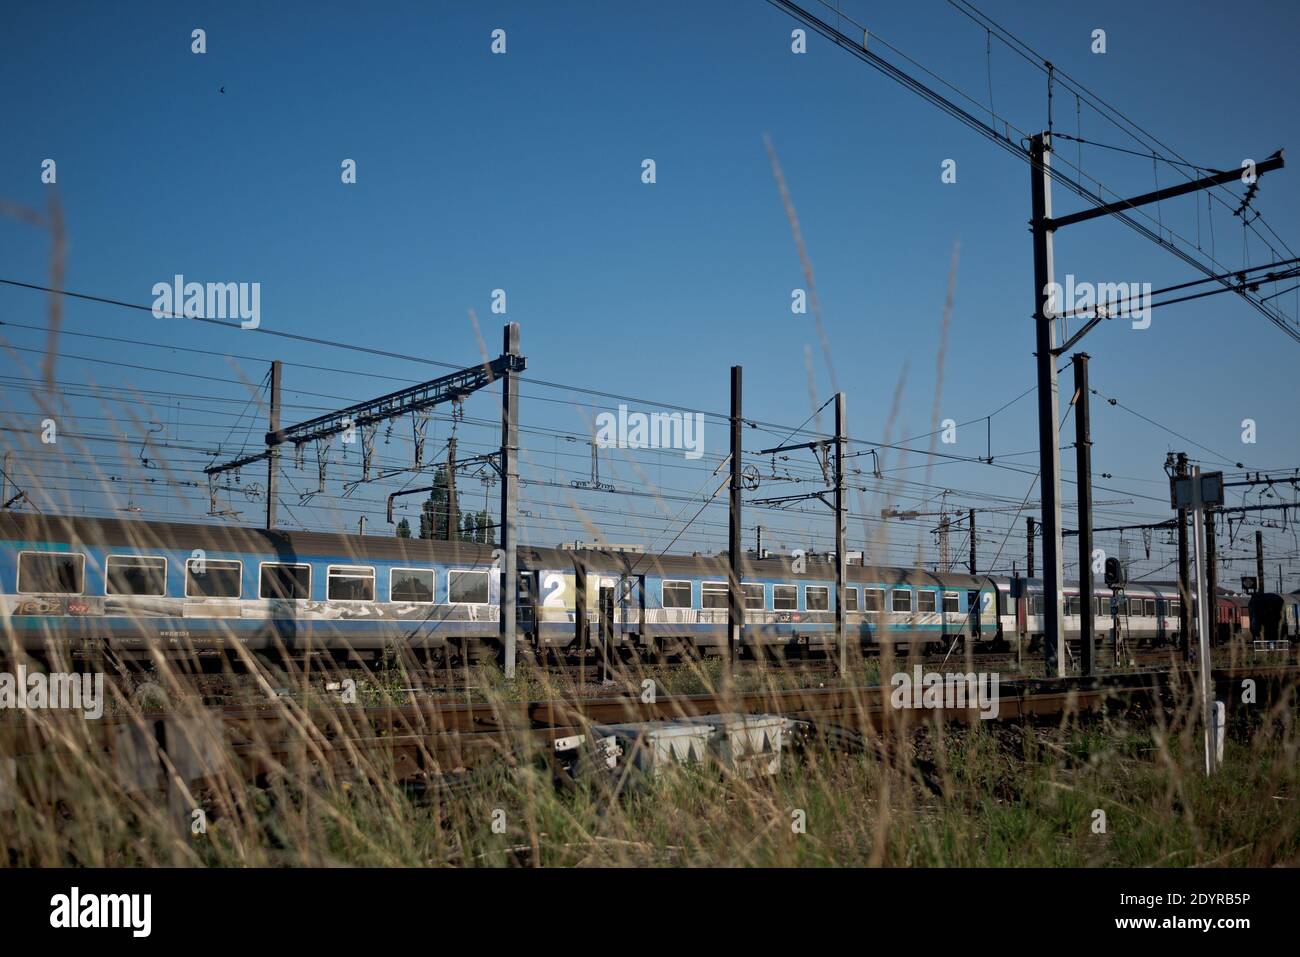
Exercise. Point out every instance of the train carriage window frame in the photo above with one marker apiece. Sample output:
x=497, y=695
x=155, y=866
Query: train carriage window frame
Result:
x=955, y=597
x=208, y=564
x=455, y=573
x=1073, y=605
x=711, y=589
x=675, y=584
x=824, y=597
x=894, y=593
x=433, y=586
x=139, y=561
x=785, y=597
x=1149, y=607
x=80, y=572
x=850, y=598
x=349, y=573
x=927, y=596
x=261, y=581
x=873, y=597
x=749, y=596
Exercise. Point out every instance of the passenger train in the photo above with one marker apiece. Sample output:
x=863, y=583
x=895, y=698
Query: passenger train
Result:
x=136, y=584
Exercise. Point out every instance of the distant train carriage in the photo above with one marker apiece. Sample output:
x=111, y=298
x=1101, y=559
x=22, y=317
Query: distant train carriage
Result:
x=140, y=584
x=1146, y=613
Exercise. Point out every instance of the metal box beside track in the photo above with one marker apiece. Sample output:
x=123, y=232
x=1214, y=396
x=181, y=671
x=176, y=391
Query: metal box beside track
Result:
x=747, y=744
x=650, y=746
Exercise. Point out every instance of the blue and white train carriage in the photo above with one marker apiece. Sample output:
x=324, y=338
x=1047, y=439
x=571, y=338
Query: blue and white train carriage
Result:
x=687, y=603
x=137, y=584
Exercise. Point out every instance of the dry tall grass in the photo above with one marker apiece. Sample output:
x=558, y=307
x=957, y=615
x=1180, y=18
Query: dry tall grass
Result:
x=920, y=794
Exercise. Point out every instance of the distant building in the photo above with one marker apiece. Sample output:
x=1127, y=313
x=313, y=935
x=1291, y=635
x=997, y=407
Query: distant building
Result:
x=605, y=547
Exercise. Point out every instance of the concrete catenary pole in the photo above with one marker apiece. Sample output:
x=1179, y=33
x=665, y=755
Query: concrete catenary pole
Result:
x=1049, y=428
x=509, y=498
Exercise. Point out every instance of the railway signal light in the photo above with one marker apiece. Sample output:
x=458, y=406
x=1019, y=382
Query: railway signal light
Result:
x=1114, y=573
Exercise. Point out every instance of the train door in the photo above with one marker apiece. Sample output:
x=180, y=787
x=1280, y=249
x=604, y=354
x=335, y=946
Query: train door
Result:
x=973, y=603
x=629, y=600
x=525, y=603
x=605, y=616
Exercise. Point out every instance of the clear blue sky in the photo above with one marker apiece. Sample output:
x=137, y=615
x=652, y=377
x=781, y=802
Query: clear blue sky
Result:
x=522, y=172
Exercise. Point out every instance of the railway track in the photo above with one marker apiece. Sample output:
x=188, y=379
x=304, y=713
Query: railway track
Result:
x=315, y=685
x=430, y=739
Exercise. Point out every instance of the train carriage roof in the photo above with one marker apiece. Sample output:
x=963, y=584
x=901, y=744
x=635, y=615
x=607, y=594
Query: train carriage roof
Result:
x=144, y=535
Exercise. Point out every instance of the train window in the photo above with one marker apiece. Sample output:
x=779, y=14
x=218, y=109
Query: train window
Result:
x=785, y=597
x=284, y=581
x=135, y=575
x=467, y=588
x=1175, y=608
x=873, y=599
x=951, y=603
x=1099, y=607
x=925, y=600
x=714, y=595
x=1149, y=607
x=411, y=585
x=1037, y=605
x=676, y=594
x=1135, y=607
x=1073, y=605
x=753, y=596
x=350, y=583
x=850, y=599
x=213, y=578
x=43, y=573
x=816, y=598
x=900, y=599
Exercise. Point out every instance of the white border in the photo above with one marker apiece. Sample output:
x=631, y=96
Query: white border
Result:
x=676, y=581
x=433, y=589
x=487, y=572
x=374, y=583
x=306, y=565
x=109, y=558
x=825, y=588
x=762, y=595
x=911, y=602
x=18, y=574
x=882, y=592
x=227, y=561
x=775, y=586
x=725, y=591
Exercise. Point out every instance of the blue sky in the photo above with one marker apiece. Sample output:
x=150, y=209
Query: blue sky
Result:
x=523, y=172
